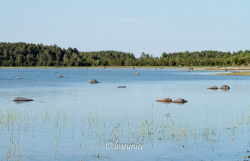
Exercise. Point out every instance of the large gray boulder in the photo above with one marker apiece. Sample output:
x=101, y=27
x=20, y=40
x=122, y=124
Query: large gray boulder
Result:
x=22, y=99
x=180, y=101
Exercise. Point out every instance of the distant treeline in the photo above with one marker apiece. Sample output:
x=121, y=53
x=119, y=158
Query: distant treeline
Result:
x=23, y=54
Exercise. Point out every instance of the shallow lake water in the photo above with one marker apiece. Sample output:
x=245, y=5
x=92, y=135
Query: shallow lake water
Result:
x=72, y=120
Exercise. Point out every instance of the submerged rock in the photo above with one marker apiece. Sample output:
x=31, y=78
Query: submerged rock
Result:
x=167, y=100
x=22, y=99
x=60, y=76
x=93, y=81
x=136, y=73
x=180, y=101
x=121, y=87
x=225, y=87
x=213, y=87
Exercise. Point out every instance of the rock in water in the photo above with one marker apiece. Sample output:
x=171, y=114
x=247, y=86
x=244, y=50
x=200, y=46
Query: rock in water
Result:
x=121, y=87
x=225, y=87
x=213, y=87
x=18, y=78
x=180, y=101
x=22, y=99
x=166, y=100
x=93, y=81
x=60, y=76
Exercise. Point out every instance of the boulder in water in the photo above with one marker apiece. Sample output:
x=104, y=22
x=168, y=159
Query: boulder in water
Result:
x=121, y=87
x=180, y=101
x=213, y=87
x=93, y=81
x=225, y=87
x=166, y=100
x=22, y=99
x=60, y=76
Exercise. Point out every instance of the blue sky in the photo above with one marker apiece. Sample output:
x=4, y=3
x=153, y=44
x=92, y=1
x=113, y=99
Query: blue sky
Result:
x=151, y=26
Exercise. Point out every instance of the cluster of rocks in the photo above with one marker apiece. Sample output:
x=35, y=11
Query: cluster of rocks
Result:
x=169, y=100
x=224, y=87
x=165, y=100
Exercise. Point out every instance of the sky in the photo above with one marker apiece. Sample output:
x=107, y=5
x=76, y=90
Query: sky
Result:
x=151, y=26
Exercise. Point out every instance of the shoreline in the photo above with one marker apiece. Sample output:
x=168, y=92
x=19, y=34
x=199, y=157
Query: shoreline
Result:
x=237, y=73
x=181, y=68
x=215, y=68
x=39, y=67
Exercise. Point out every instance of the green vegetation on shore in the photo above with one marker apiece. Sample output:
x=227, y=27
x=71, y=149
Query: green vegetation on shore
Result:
x=34, y=55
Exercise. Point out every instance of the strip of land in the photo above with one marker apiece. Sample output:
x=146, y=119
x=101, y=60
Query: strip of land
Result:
x=217, y=68
x=182, y=68
x=236, y=73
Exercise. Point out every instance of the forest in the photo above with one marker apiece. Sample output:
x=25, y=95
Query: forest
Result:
x=27, y=54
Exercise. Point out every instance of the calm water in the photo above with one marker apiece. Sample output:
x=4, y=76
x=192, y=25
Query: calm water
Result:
x=71, y=120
